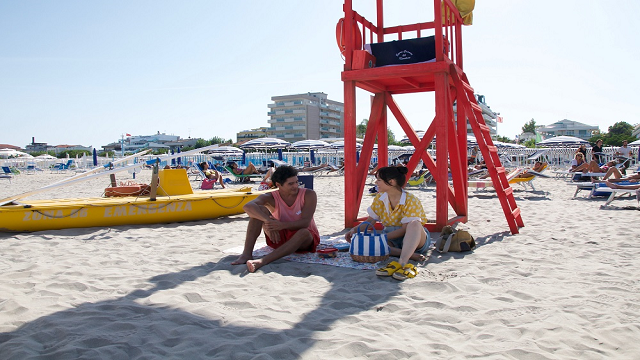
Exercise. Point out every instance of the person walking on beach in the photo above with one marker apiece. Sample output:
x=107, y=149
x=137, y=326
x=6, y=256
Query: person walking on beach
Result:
x=285, y=216
x=403, y=218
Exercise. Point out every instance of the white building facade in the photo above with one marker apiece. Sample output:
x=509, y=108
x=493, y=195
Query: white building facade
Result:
x=490, y=117
x=305, y=116
x=568, y=128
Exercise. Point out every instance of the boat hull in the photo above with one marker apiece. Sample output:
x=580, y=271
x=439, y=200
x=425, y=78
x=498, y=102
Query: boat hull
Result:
x=38, y=215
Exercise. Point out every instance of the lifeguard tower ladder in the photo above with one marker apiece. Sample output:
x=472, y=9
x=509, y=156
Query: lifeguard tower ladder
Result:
x=445, y=77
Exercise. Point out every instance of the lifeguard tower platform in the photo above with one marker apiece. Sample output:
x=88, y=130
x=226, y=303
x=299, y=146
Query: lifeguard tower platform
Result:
x=442, y=74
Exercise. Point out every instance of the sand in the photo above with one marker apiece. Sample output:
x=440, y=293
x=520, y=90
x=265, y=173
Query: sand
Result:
x=566, y=287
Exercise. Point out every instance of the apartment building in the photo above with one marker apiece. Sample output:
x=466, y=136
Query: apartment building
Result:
x=305, y=116
x=491, y=118
x=568, y=128
x=246, y=135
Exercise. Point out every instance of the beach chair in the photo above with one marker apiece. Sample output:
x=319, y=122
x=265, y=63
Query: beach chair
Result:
x=419, y=181
x=487, y=183
x=615, y=192
x=528, y=181
x=242, y=178
x=6, y=173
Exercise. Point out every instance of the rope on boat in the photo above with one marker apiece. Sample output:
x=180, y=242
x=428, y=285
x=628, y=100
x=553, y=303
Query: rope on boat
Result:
x=57, y=217
x=229, y=207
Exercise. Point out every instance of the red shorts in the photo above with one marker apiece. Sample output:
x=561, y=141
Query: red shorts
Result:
x=287, y=234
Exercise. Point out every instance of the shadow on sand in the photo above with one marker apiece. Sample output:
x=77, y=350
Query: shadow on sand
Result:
x=123, y=328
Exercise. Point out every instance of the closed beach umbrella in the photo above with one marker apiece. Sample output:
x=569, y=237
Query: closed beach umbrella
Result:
x=95, y=157
x=179, y=158
x=312, y=157
x=280, y=154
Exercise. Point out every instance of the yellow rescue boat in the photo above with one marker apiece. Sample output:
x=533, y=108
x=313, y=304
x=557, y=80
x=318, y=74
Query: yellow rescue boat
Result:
x=175, y=202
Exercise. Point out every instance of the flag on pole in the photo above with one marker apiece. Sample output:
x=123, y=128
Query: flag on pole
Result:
x=500, y=119
x=128, y=134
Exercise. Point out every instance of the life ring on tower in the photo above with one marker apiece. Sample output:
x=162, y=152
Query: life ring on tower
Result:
x=341, y=36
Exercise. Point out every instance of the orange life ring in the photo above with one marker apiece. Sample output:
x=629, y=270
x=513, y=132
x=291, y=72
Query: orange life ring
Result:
x=340, y=36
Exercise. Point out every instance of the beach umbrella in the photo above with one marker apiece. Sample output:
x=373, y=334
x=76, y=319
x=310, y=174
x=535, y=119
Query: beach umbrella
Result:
x=46, y=157
x=335, y=139
x=173, y=160
x=635, y=143
x=95, y=157
x=179, y=158
x=226, y=151
x=562, y=141
x=265, y=143
x=396, y=148
x=280, y=154
x=7, y=153
x=339, y=145
x=312, y=157
x=309, y=144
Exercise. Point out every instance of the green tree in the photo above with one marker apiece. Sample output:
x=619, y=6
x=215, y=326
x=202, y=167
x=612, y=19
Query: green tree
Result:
x=616, y=134
x=73, y=153
x=504, y=139
x=361, y=130
x=529, y=126
x=531, y=143
x=214, y=140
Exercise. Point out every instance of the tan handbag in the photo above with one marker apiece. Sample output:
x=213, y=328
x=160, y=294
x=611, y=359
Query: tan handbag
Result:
x=455, y=240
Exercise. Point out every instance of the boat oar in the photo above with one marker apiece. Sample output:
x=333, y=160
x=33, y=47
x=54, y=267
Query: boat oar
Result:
x=94, y=170
x=83, y=177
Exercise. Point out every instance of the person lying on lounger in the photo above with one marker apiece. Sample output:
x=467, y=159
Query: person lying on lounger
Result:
x=249, y=170
x=211, y=173
x=617, y=176
x=537, y=167
x=286, y=218
x=579, y=164
x=614, y=185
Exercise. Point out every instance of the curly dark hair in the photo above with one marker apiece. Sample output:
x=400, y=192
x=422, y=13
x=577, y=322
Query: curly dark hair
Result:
x=282, y=173
x=398, y=173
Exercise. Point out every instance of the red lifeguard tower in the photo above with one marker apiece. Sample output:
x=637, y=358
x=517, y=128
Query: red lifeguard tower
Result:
x=443, y=75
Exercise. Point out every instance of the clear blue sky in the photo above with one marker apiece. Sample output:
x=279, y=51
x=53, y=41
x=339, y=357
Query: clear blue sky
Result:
x=86, y=72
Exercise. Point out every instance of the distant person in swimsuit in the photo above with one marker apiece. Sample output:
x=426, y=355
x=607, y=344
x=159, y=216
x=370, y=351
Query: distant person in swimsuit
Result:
x=249, y=170
x=212, y=174
x=286, y=218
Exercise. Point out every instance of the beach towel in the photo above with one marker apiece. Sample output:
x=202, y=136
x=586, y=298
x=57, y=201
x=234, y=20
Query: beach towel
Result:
x=343, y=259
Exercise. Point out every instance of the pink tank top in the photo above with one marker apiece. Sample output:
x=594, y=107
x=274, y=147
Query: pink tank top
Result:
x=286, y=213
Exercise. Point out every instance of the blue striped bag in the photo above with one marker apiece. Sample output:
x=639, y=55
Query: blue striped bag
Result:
x=369, y=247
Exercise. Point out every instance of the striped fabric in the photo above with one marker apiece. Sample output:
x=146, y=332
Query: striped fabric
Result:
x=369, y=243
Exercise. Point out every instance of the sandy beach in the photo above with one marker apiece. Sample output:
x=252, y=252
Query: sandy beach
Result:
x=566, y=287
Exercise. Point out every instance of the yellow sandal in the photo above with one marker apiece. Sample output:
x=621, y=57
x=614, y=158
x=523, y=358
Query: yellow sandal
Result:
x=390, y=269
x=409, y=271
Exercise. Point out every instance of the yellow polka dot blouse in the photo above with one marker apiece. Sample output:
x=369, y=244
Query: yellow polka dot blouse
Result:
x=409, y=208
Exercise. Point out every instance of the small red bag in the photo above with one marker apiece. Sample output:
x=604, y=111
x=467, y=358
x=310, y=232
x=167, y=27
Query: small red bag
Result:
x=207, y=184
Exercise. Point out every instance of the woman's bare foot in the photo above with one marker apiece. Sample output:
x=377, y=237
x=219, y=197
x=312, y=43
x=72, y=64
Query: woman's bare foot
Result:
x=253, y=265
x=242, y=260
x=418, y=257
